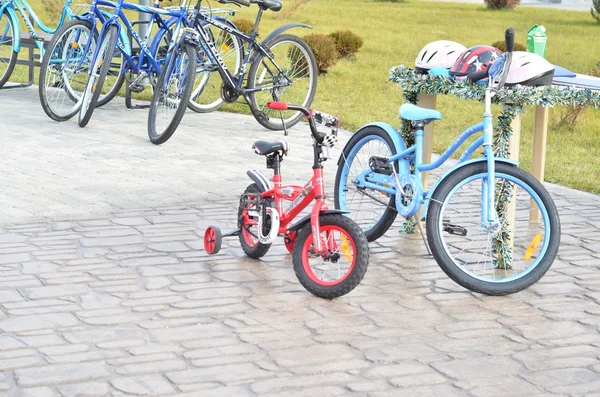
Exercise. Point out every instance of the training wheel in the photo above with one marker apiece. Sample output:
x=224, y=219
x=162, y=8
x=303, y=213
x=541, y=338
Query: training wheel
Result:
x=212, y=240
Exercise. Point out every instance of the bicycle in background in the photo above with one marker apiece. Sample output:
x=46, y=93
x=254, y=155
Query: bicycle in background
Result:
x=282, y=68
x=10, y=37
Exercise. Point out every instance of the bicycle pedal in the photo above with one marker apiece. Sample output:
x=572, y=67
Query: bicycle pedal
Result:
x=136, y=88
x=211, y=67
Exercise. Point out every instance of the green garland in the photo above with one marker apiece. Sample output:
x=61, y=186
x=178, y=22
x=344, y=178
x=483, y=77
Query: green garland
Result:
x=512, y=99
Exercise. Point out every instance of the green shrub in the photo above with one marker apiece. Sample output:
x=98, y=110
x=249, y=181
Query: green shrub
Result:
x=323, y=47
x=243, y=25
x=501, y=45
x=496, y=4
x=595, y=10
x=347, y=43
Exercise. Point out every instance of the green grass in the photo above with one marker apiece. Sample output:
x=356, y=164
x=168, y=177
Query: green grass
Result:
x=359, y=92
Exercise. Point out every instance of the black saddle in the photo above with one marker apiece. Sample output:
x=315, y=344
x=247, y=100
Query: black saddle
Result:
x=264, y=148
x=273, y=5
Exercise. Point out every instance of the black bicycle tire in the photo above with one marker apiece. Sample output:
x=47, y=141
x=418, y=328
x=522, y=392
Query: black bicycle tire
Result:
x=447, y=264
x=158, y=139
x=44, y=68
x=389, y=215
x=215, y=74
x=251, y=98
x=361, y=255
x=259, y=250
x=14, y=55
x=112, y=36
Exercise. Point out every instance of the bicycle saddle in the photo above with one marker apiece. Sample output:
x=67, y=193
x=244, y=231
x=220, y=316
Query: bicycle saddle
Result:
x=273, y=5
x=264, y=148
x=416, y=113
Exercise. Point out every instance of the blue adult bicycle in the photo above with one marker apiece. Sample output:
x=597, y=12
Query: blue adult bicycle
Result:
x=492, y=227
x=10, y=36
x=172, y=27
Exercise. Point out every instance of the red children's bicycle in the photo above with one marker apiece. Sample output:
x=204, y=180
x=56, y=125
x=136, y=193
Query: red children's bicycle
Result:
x=330, y=251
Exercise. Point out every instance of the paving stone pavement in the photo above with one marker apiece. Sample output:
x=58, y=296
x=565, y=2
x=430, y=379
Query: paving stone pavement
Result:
x=123, y=301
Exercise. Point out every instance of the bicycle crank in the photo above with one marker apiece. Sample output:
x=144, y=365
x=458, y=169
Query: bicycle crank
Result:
x=229, y=93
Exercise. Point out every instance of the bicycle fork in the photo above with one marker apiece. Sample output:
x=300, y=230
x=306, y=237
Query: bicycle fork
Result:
x=489, y=218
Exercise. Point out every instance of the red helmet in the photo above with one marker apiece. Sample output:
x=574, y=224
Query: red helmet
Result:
x=475, y=59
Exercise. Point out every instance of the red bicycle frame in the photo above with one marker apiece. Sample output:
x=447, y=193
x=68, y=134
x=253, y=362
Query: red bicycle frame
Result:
x=300, y=196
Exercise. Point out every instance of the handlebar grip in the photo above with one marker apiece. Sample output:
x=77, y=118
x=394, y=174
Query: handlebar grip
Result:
x=277, y=105
x=286, y=106
x=242, y=2
x=476, y=76
x=509, y=38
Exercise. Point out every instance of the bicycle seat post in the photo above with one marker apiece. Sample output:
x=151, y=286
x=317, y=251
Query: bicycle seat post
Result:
x=254, y=33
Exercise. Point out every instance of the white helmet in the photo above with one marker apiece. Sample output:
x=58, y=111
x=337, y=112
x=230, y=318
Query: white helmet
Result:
x=529, y=69
x=438, y=54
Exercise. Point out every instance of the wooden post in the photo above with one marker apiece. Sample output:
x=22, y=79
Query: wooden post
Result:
x=540, y=132
x=429, y=102
x=514, y=145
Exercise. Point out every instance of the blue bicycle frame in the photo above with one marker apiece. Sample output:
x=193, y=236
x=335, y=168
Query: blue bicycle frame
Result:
x=30, y=18
x=371, y=180
x=146, y=62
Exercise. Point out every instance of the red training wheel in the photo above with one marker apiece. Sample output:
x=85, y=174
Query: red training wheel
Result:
x=212, y=240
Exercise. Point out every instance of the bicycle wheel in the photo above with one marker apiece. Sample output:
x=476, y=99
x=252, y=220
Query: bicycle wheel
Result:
x=299, y=70
x=8, y=56
x=172, y=93
x=248, y=225
x=206, y=95
x=97, y=75
x=498, y=262
x=64, y=70
x=374, y=211
x=345, y=265
x=115, y=77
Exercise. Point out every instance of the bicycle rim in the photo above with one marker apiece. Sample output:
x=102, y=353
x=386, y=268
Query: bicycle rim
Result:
x=104, y=53
x=502, y=256
x=298, y=73
x=206, y=94
x=341, y=256
x=366, y=206
x=6, y=47
x=67, y=72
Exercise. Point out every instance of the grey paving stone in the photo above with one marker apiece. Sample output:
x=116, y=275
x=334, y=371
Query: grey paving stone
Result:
x=146, y=385
x=60, y=374
x=104, y=275
x=89, y=389
x=44, y=321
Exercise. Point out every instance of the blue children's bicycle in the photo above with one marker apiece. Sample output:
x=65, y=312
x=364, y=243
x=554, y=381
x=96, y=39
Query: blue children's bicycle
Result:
x=492, y=227
x=10, y=36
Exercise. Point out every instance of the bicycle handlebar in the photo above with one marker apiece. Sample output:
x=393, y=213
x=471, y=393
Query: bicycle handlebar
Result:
x=286, y=106
x=509, y=39
x=236, y=2
x=318, y=136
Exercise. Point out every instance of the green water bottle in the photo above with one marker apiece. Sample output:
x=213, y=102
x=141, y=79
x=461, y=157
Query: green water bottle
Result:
x=536, y=40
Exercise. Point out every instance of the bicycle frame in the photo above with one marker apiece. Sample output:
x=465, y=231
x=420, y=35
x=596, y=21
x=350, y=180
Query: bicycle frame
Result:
x=379, y=182
x=177, y=17
x=253, y=49
x=30, y=18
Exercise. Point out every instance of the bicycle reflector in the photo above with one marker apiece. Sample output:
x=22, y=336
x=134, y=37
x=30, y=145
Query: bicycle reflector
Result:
x=277, y=105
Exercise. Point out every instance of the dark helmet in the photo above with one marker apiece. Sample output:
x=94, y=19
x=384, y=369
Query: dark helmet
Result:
x=475, y=59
